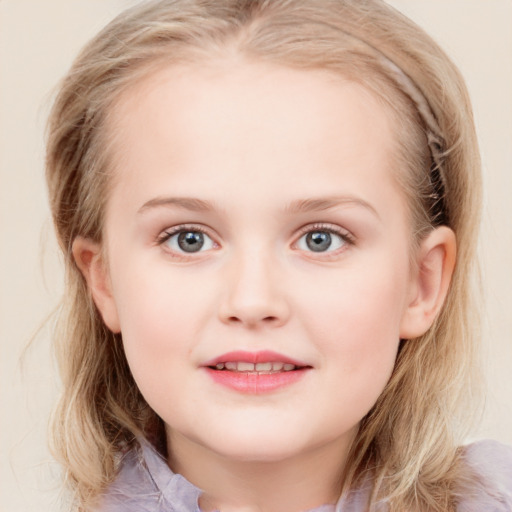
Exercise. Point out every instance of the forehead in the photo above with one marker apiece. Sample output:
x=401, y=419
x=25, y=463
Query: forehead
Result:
x=231, y=124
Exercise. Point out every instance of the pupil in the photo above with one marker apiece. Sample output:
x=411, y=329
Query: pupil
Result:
x=191, y=241
x=318, y=241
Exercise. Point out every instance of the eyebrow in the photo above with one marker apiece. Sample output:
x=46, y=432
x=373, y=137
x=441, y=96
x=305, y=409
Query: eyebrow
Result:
x=187, y=203
x=297, y=206
x=326, y=203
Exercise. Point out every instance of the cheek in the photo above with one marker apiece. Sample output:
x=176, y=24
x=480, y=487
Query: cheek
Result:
x=155, y=303
x=356, y=324
x=159, y=322
x=367, y=303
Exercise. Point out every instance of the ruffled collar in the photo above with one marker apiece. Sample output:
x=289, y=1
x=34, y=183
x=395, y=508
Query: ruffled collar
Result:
x=183, y=496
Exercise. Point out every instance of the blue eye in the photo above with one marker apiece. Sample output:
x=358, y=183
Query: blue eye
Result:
x=321, y=241
x=188, y=241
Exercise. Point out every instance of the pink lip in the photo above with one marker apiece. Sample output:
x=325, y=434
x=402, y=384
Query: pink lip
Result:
x=264, y=356
x=255, y=383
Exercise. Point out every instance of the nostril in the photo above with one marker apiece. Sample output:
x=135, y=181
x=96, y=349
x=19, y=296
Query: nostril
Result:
x=266, y=320
x=249, y=306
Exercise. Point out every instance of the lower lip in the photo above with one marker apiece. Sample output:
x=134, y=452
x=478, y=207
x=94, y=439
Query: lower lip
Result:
x=256, y=383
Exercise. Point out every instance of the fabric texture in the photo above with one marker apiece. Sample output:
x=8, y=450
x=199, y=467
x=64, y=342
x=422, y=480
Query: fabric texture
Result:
x=146, y=484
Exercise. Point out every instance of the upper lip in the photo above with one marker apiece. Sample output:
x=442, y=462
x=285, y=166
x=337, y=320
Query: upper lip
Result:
x=263, y=356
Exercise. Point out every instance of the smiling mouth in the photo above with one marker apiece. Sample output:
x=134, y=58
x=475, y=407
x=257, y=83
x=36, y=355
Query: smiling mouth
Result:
x=256, y=368
x=255, y=373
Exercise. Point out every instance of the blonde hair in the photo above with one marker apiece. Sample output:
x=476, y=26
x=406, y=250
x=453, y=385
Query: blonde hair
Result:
x=409, y=440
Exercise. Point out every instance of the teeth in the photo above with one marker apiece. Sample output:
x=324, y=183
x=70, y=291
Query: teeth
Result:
x=263, y=367
x=242, y=366
x=245, y=367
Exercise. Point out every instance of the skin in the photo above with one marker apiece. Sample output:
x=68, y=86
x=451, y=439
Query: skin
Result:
x=276, y=153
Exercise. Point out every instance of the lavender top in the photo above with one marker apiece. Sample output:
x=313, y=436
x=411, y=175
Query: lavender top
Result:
x=146, y=484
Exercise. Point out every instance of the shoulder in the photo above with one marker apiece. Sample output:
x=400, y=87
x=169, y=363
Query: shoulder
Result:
x=489, y=464
x=145, y=483
x=133, y=488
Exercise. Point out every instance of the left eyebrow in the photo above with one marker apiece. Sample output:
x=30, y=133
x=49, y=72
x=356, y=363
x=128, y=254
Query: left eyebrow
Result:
x=326, y=203
x=187, y=203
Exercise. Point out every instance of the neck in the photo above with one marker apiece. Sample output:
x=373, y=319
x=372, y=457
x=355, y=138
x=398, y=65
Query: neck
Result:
x=301, y=482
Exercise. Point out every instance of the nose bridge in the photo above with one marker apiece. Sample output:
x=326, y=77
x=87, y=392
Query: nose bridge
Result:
x=254, y=292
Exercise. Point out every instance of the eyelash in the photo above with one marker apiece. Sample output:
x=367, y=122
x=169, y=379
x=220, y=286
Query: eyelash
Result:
x=345, y=235
x=182, y=228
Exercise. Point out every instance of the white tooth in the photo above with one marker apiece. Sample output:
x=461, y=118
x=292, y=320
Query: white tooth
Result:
x=277, y=367
x=287, y=367
x=230, y=366
x=245, y=367
x=263, y=367
x=219, y=366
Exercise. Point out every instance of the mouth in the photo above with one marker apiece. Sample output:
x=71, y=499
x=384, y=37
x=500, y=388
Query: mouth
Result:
x=259, y=368
x=255, y=372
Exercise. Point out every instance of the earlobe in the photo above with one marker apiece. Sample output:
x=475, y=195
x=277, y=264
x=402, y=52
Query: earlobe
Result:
x=430, y=283
x=89, y=259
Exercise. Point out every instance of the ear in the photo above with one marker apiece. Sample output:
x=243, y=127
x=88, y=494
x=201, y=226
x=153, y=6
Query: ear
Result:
x=89, y=259
x=430, y=282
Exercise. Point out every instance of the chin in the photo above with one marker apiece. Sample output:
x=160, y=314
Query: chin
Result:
x=254, y=445
x=248, y=452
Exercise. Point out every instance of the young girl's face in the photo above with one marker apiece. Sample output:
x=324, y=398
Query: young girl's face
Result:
x=258, y=257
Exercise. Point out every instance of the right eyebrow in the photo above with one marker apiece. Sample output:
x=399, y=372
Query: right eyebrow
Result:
x=187, y=203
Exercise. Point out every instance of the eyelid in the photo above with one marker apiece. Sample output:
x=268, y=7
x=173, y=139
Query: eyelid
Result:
x=326, y=226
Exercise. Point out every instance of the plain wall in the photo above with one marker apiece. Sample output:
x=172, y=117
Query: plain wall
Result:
x=38, y=40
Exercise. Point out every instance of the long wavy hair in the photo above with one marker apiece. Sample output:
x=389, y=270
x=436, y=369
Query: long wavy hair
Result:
x=409, y=440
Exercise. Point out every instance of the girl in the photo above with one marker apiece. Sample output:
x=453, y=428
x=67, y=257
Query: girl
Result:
x=268, y=212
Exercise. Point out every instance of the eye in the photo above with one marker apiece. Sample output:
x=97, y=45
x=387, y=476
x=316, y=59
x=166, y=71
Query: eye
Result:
x=323, y=240
x=187, y=240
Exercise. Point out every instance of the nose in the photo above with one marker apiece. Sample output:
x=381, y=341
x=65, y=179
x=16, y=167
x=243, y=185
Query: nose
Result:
x=254, y=294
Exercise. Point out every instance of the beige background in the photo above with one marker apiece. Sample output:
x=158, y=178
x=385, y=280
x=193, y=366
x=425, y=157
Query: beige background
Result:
x=38, y=40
